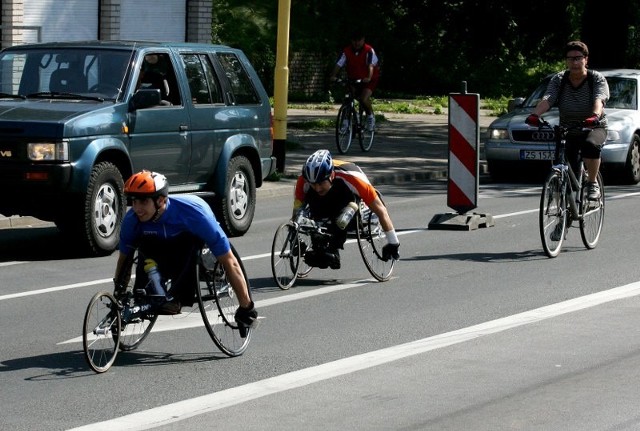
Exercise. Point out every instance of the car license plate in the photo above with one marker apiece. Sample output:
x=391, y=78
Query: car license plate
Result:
x=536, y=155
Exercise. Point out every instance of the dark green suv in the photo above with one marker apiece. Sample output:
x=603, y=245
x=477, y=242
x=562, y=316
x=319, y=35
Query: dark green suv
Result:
x=78, y=118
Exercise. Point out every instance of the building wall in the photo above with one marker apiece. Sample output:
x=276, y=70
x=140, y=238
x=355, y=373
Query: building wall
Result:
x=44, y=20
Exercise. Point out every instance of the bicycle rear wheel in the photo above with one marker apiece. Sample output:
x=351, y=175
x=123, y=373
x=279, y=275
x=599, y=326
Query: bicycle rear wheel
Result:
x=344, y=129
x=101, y=332
x=285, y=255
x=552, y=215
x=365, y=136
x=592, y=216
x=371, y=239
x=218, y=304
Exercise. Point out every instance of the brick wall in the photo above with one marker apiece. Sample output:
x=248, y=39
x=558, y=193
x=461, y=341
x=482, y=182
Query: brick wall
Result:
x=199, y=21
x=12, y=20
x=110, y=20
x=307, y=74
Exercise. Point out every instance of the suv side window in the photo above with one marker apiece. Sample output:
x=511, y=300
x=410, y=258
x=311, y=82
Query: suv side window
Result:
x=203, y=82
x=157, y=73
x=241, y=85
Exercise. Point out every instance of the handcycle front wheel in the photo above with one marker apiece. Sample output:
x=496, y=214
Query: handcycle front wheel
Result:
x=344, y=128
x=218, y=303
x=134, y=332
x=285, y=255
x=552, y=215
x=371, y=239
x=101, y=332
x=592, y=216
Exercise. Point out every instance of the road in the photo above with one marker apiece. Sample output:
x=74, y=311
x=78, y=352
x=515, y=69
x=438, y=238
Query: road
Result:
x=477, y=330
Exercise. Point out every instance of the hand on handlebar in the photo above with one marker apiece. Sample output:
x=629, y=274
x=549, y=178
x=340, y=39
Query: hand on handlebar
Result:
x=592, y=121
x=533, y=120
x=390, y=251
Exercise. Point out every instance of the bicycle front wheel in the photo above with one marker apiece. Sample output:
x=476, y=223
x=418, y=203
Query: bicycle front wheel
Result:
x=134, y=332
x=285, y=255
x=344, y=129
x=366, y=135
x=592, y=216
x=371, y=239
x=552, y=215
x=218, y=304
x=101, y=332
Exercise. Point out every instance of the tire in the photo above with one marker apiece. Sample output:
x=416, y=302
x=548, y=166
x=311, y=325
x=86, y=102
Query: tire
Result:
x=365, y=136
x=218, y=304
x=592, y=216
x=344, y=137
x=631, y=173
x=237, y=208
x=305, y=244
x=552, y=214
x=100, y=334
x=371, y=239
x=96, y=221
x=285, y=255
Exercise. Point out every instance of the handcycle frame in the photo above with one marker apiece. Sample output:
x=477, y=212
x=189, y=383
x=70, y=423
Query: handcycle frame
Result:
x=354, y=117
x=294, y=238
x=564, y=198
x=111, y=325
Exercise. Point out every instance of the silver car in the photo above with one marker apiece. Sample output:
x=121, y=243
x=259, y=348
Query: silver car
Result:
x=511, y=144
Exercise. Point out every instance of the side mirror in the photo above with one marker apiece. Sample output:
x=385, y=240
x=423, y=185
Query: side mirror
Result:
x=515, y=103
x=145, y=98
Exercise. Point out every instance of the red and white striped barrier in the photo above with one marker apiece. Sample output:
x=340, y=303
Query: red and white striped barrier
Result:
x=464, y=136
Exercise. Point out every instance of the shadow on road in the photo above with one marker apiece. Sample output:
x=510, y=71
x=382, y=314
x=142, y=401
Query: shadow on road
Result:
x=37, y=244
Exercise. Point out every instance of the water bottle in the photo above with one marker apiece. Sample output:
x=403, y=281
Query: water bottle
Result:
x=151, y=268
x=346, y=215
x=208, y=259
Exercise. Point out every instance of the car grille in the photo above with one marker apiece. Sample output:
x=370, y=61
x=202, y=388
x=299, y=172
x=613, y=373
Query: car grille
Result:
x=533, y=135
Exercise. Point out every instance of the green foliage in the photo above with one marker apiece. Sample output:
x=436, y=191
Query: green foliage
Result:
x=431, y=48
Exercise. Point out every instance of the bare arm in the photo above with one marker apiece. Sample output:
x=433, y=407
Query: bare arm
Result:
x=236, y=278
x=381, y=211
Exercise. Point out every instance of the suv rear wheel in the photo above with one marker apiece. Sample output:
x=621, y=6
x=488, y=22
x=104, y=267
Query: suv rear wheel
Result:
x=238, y=206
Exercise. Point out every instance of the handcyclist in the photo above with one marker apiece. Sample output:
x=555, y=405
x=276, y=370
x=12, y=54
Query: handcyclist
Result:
x=361, y=62
x=329, y=186
x=170, y=230
x=580, y=95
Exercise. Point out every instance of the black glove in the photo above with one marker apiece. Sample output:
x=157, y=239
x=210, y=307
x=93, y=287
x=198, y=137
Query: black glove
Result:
x=533, y=120
x=390, y=251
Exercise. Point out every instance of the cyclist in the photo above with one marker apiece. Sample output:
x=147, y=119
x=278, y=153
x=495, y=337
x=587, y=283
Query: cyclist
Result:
x=170, y=230
x=361, y=62
x=329, y=187
x=580, y=95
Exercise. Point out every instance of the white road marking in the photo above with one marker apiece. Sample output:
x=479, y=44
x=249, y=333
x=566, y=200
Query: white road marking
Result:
x=181, y=410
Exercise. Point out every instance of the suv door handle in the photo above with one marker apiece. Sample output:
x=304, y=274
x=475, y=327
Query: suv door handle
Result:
x=183, y=127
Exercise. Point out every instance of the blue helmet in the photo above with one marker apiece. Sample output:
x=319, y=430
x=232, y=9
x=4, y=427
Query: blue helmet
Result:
x=318, y=167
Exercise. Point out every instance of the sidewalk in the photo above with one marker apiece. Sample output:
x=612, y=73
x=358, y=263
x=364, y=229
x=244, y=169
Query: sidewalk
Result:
x=407, y=147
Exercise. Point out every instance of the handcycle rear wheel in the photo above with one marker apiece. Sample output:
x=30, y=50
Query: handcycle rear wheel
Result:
x=218, y=304
x=552, y=215
x=344, y=128
x=101, y=332
x=371, y=239
x=592, y=213
x=285, y=255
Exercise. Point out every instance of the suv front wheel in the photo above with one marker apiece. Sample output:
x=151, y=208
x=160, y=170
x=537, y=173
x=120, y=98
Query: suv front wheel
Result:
x=238, y=206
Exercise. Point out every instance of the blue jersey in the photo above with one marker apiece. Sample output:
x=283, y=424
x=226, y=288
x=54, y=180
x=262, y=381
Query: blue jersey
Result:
x=183, y=214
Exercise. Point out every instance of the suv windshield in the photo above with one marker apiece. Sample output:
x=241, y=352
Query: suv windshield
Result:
x=86, y=73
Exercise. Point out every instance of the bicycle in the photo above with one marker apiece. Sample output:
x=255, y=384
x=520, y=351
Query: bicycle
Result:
x=564, y=199
x=351, y=119
x=294, y=238
x=112, y=324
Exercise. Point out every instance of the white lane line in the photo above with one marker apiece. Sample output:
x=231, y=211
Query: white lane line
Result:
x=55, y=289
x=181, y=410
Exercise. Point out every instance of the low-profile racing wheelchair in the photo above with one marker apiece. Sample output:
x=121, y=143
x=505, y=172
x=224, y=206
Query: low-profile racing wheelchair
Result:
x=112, y=324
x=296, y=238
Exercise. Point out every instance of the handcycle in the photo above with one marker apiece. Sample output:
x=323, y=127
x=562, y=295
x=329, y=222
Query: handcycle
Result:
x=112, y=324
x=295, y=238
x=564, y=198
x=351, y=119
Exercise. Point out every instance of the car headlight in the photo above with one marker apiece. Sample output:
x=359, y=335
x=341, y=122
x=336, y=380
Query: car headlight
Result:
x=498, y=134
x=48, y=151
